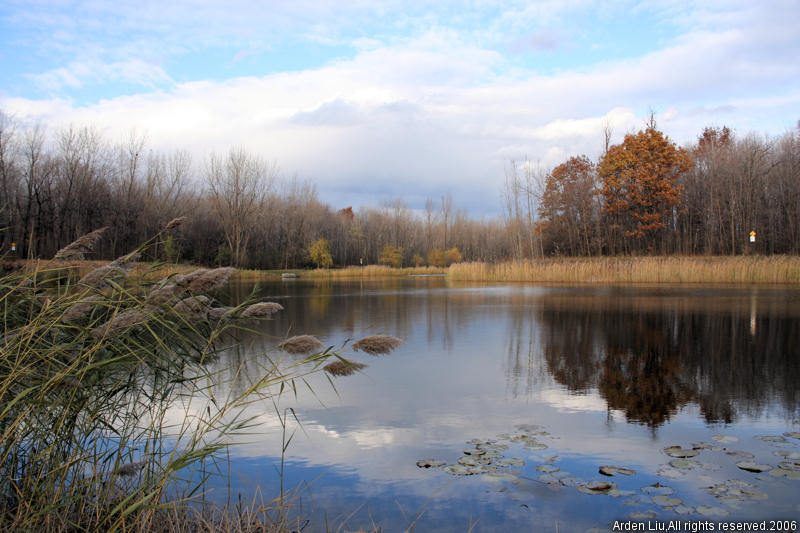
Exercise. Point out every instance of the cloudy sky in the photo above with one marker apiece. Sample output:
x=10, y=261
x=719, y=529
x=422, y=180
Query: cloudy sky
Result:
x=377, y=99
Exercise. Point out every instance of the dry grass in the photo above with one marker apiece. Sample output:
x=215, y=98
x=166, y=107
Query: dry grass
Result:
x=377, y=344
x=671, y=269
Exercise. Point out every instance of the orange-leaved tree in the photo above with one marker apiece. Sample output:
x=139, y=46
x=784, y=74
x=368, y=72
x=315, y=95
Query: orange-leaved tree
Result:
x=640, y=189
x=566, y=209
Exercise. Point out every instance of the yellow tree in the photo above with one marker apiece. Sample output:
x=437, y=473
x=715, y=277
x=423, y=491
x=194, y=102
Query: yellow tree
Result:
x=320, y=253
x=640, y=189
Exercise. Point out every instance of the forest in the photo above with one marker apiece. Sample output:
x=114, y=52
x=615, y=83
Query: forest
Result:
x=644, y=196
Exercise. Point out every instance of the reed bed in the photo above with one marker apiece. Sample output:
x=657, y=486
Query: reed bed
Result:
x=371, y=272
x=88, y=370
x=669, y=269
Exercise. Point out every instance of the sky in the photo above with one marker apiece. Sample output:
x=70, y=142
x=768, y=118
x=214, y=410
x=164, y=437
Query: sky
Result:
x=379, y=99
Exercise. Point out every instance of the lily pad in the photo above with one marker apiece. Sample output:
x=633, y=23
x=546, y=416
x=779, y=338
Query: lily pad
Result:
x=458, y=470
x=547, y=468
x=680, y=453
x=793, y=434
x=570, y=481
x=770, y=438
x=528, y=428
x=685, y=464
x=725, y=438
x=783, y=472
x=613, y=470
x=429, y=463
x=666, y=501
x=792, y=456
x=536, y=446
x=619, y=493
x=643, y=515
x=597, y=487
x=672, y=473
x=790, y=465
x=492, y=446
x=483, y=469
x=710, y=510
x=658, y=488
x=684, y=509
x=752, y=466
x=474, y=451
x=511, y=462
x=739, y=453
x=468, y=461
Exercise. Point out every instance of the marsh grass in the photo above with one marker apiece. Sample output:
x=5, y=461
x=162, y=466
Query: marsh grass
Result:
x=88, y=372
x=669, y=269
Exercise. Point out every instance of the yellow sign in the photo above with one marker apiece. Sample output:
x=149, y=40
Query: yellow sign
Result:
x=753, y=236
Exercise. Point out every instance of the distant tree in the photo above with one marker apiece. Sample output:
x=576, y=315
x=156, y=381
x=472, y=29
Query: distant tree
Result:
x=640, y=189
x=320, y=253
x=391, y=256
x=436, y=257
x=417, y=260
x=453, y=255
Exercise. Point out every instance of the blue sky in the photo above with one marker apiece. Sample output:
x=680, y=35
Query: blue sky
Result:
x=373, y=100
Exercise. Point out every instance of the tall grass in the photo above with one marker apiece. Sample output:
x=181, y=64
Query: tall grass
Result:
x=670, y=269
x=88, y=371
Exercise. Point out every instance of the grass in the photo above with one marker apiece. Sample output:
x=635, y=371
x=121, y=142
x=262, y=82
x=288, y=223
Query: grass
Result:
x=88, y=371
x=669, y=269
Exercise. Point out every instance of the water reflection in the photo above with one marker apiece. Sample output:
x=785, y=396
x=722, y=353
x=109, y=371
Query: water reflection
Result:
x=651, y=355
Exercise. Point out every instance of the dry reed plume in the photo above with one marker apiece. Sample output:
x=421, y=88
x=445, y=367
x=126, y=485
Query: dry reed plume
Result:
x=193, y=306
x=80, y=311
x=377, y=344
x=343, y=367
x=121, y=323
x=301, y=344
x=174, y=223
x=262, y=310
x=77, y=249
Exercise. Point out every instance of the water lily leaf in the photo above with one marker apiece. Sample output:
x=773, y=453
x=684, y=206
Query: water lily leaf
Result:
x=570, y=481
x=724, y=438
x=536, y=446
x=770, y=438
x=458, y=470
x=429, y=463
x=643, y=515
x=549, y=478
x=612, y=470
x=547, y=468
x=752, y=466
x=710, y=510
x=597, y=487
x=793, y=434
x=672, y=473
x=468, y=461
x=792, y=456
x=680, y=453
x=783, y=472
x=658, y=488
x=739, y=453
x=474, y=451
x=666, y=501
x=495, y=477
x=528, y=428
x=482, y=469
x=684, y=509
x=492, y=446
x=618, y=493
x=685, y=464
x=511, y=462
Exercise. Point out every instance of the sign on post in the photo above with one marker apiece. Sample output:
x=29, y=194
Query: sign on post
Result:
x=753, y=236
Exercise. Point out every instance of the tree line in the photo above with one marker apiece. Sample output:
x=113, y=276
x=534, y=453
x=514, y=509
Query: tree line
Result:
x=643, y=196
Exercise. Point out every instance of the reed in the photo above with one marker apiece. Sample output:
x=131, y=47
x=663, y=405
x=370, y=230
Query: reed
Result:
x=370, y=272
x=88, y=371
x=669, y=269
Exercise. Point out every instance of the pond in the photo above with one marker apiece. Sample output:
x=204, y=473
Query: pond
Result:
x=518, y=394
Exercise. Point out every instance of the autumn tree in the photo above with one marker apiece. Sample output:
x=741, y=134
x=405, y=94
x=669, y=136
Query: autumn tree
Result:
x=567, y=207
x=320, y=253
x=391, y=256
x=452, y=255
x=640, y=189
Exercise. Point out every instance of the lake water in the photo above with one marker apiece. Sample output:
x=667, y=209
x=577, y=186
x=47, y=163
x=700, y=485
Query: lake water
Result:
x=563, y=379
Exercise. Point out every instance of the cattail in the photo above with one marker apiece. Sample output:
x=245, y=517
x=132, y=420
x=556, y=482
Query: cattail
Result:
x=301, y=344
x=262, y=309
x=81, y=310
x=77, y=250
x=131, y=469
x=194, y=306
x=210, y=280
x=343, y=367
x=122, y=322
x=377, y=344
x=174, y=223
